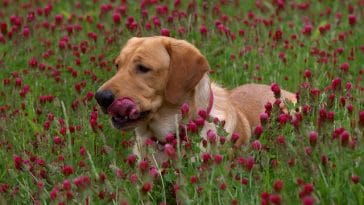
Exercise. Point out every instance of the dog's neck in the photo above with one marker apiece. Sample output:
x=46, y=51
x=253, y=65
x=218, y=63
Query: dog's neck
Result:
x=162, y=124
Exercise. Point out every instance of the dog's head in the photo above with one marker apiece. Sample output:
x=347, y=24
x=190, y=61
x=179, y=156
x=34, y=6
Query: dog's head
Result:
x=151, y=72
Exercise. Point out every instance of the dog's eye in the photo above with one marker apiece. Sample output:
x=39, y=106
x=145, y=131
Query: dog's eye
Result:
x=143, y=69
x=116, y=66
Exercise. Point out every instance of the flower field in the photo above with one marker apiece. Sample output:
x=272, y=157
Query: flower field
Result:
x=57, y=147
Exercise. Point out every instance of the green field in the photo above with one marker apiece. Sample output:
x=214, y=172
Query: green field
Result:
x=57, y=147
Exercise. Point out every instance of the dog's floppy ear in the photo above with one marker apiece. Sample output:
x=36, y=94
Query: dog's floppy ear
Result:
x=187, y=67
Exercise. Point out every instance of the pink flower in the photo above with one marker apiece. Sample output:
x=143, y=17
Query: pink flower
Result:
x=306, y=109
x=143, y=165
x=133, y=178
x=275, y=89
x=307, y=29
x=92, y=35
x=193, y=180
x=283, y=118
x=313, y=138
x=264, y=195
x=82, y=151
x=263, y=117
x=6, y=80
x=18, y=162
x=200, y=122
x=278, y=185
x=324, y=160
x=336, y=83
x=203, y=30
x=185, y=108
x=181, y=30
x=192, y=127
x=256, y=145
x=67, y=185
x=169, y=138
x=268, y=107
x=218, y=158
x=278, y=35
x=206, y=157
x=281, y=140
x=222, y=140
x=274, y=163
x=236, y=136
x=147, y=187
x=244, y=181
x=291, y=162
x=153, y=172
x=307, y=73
x=330, y=116
x=350, y=108
x=258, y=130
x=355, y=178
x=345, y=67
x=131, y=159
x=82, y=182
x=361, y=117
x=101, y=194
x=307, y=189
x=40, y=185
x=169, y=150
x=241, y=32
x=69, y=195
x=337, y=132
x=211, y=136
x=116, y=18
x=308, y=200
x=57, y=140
x=3, y=28
x=345, y=137
x=165, y=32
x=54, y=193
x=18, y=81
x=223, y=186
x=348, y=85
x=67, y=170
x=202, y=114
x=156, y=22
x=352, y=19
x=102, y=177
x=58, y=18
x=249, y=163
x=275, y=199
x=308, y=151
x=26, y=32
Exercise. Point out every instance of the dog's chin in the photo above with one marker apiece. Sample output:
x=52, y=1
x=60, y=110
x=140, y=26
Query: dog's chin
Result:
x=126, y=124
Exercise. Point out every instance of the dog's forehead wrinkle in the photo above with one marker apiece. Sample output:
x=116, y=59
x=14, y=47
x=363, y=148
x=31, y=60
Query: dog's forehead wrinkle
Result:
x=137, y=59
x=144, y=55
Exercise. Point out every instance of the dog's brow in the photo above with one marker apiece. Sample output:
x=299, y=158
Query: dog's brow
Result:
x=137, y=59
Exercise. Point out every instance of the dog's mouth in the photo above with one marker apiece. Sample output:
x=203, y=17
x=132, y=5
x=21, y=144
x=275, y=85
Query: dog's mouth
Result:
x=125, y=122
x=125, y=114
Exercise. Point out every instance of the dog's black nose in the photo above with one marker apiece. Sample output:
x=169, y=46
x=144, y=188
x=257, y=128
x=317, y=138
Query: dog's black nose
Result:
x=104, y=98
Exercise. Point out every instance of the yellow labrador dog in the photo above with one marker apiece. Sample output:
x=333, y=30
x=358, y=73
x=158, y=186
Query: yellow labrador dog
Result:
x=156, y=75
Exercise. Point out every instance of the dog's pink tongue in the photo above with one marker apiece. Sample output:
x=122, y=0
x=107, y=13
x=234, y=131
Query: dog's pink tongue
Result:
x=123, y=107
